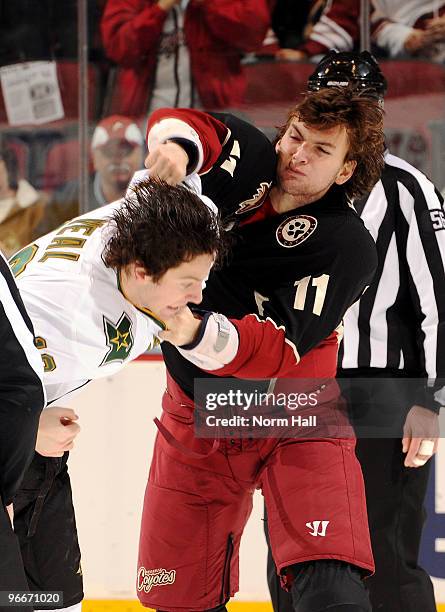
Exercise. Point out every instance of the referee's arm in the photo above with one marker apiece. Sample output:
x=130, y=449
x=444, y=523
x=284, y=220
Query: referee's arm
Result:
x=22, y=394
x=425, y=255
x=422, y=206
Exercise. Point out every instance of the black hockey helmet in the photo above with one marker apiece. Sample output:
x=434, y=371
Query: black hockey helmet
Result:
x=343, y=68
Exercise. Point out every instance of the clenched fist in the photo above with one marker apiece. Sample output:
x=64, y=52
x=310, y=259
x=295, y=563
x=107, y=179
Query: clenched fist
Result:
x=168, y=161
x=182, y=328
x=57, y=430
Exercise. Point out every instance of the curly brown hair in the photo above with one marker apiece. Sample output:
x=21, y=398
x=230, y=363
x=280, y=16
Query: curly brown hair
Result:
x=161, y=227
x=362, y=117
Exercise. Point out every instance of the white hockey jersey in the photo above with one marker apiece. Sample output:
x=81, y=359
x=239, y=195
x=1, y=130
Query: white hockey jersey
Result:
x=84, y=325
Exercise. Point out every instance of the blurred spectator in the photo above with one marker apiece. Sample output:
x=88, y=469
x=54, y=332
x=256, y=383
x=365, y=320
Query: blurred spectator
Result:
x=21, y=206
x=410, y=27
x=332, y=24
x=43, y=30
x=289, y=20
x=117, y=152
x=180, y=52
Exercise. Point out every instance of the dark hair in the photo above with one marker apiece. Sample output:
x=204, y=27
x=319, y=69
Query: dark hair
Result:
x=8, y=156
x=162, y=226
x=362, y=117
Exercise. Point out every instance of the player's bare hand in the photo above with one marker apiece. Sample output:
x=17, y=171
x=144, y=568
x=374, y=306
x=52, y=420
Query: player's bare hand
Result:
x=182, y=327
x=420, y=436
x=168, y=161
x=57, y=431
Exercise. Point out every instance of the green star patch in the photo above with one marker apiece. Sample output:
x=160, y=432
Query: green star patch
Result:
x=119, y=339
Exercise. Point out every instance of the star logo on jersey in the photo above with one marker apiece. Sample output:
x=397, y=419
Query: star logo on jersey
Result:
x=295, y=230
x=119, y=339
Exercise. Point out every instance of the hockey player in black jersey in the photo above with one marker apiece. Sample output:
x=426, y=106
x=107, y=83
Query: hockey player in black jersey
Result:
x=292, y=222
x=301, y=258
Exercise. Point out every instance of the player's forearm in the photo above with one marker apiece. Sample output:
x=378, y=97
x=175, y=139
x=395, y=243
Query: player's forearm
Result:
x=425, y=255
x=252, y=348
x=242, y=348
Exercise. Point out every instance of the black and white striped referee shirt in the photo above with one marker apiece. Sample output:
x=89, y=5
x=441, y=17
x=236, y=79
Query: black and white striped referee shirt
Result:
x=22, y=395
x=399, y=322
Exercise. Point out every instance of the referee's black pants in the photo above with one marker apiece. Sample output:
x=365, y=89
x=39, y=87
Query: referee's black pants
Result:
x=45, y=525
x=395, y=499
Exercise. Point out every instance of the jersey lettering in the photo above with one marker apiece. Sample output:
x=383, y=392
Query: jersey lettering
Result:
x=75, y=243
x=260, y=299
x=88, y=226
x=321, y=283
x=230, y=164
x=438, y=219
x=49, y=364
x=59, y=255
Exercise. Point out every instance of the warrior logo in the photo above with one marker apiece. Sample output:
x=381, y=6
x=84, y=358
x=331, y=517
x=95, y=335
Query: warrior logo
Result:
x=295, y=230
x=256, y=201
x=317, y=528
x=147, y=579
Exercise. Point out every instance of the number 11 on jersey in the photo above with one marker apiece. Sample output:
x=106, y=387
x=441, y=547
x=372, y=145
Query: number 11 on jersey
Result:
x=321, y=283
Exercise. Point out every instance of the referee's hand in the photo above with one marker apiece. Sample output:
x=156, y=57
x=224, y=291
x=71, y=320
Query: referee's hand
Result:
x=420, y=436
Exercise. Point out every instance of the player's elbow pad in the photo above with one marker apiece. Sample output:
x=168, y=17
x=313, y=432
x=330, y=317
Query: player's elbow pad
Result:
x=216, y=345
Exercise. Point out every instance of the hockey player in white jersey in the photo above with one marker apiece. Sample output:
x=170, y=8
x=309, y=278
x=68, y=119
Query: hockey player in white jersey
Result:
x=98, y=290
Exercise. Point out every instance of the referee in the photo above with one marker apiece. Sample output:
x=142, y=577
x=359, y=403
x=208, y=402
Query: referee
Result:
x=394, y=342
x=22, y=398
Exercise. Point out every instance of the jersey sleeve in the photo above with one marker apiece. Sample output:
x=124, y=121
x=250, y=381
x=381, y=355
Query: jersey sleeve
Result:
x=337, y=28
x=422, y=208
x=204, y=131
x=235, y=160
x=386, y=33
